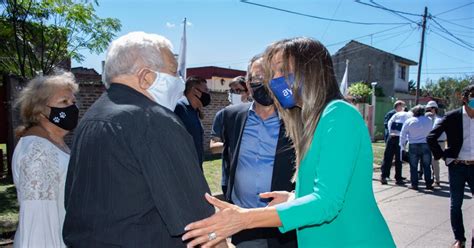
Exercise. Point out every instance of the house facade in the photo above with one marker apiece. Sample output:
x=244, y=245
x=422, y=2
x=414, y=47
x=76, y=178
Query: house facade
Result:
x=370, y=64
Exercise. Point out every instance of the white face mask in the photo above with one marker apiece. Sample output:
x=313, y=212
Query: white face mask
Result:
x=234, y=98
x=166, y=90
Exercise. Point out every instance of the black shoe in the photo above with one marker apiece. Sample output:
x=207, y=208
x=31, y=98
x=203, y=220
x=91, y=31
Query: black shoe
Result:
x=383, y=181
x=413, y=187
x=400, y=182
x=430, y=187
x=404, y=178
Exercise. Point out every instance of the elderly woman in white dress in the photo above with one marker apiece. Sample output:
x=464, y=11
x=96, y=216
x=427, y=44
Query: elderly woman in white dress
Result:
x=48, y=113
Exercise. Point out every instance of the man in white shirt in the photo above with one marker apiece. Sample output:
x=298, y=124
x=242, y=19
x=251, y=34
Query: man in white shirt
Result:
x=392, y=148
x=414, y=131
x=431, y=110
x=459, y=156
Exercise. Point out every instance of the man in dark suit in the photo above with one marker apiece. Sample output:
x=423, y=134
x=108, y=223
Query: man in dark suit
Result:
x=259, y=158
x=459, y=156
x=133, y=178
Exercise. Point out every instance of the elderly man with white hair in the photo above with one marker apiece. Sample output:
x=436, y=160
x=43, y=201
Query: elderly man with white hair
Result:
x=134, y=178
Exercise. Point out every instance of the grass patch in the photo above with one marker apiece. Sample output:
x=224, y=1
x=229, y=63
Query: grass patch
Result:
x=213, y=174
x=8, y=208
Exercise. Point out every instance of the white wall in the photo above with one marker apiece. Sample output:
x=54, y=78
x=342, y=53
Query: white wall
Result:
x=401, y=85
x=214, y=84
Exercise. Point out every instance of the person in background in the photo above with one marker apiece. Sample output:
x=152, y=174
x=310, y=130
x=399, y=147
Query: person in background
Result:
x=40, y=160
x=458, y=155
x=392, y=148
x=414, y=131
x=431, y=109
x=334, y=204
x=387, y=117
x=134, y=178
x=238, y=93
x=189, y=110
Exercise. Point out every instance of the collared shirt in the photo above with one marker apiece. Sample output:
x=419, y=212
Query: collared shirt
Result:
x=255, y=165
x=415, y=130
x=436, y=121
x=395, y=123
x=467, y=148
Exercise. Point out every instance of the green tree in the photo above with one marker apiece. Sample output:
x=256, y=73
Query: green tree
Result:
x=40, y=35
x=361, y=91
x=449, y=89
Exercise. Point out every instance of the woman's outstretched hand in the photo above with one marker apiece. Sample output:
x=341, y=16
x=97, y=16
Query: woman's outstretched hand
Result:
x=278, y=197
x=213, y=230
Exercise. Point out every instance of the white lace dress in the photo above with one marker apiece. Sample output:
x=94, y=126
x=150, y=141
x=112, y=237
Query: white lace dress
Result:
x=39, y=173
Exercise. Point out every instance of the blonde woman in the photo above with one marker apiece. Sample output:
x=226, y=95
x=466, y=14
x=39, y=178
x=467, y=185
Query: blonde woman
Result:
x=40, y=160
x=334, y=204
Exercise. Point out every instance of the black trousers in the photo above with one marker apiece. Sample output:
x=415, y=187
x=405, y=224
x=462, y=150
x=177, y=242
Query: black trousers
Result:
x=392, y=149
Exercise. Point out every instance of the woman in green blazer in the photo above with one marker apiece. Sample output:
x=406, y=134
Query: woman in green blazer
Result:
x=334, y=204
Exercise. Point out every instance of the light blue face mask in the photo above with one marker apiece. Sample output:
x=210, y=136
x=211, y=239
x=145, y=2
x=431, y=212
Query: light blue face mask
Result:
x=470, y=103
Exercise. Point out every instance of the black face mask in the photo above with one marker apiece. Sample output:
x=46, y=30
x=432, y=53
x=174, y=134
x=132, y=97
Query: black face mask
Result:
x=260, y=94
x=65, y=118
x=205, y=98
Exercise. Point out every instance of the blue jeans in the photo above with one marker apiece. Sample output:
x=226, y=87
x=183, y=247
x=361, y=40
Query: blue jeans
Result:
x=459, y=175
x=420, y=153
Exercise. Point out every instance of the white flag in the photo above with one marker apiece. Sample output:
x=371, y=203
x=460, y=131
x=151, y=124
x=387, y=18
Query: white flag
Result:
x=343, y=87
x=182, y=54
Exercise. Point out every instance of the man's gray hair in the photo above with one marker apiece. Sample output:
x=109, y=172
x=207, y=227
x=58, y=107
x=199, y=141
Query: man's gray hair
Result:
x=133, y=51
x=418, y=110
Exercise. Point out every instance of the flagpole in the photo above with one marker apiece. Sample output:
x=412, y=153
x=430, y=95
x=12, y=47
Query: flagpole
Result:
x=182, y=54
x=344, y=82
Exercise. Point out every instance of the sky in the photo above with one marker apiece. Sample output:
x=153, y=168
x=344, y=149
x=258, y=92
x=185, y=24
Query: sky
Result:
x=227, y=33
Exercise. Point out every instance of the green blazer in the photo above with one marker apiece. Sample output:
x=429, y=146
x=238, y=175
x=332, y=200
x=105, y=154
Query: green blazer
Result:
x=335, y=204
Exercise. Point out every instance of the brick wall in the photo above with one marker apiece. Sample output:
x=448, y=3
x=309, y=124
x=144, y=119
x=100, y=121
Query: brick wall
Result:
x=218, y=101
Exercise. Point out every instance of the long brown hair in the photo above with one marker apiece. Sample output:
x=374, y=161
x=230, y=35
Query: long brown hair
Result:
x=315, y=86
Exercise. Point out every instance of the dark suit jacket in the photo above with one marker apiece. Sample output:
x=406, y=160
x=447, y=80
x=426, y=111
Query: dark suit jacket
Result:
x=235, y=117
x=452, y=125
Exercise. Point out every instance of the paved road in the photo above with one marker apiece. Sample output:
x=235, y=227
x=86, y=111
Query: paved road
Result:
x=421, y=218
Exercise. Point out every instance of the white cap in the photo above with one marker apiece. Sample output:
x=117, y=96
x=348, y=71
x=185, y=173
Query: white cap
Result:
x=431, y=104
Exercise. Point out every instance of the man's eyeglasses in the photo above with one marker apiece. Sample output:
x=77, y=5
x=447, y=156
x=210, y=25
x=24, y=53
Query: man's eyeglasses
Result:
x=237, y=91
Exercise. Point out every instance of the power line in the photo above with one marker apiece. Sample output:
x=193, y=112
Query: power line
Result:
x=376, y=5
x=448, y=55
x=441, y=73
x=401, y=43
x=462, y=6
x=446, y=38
x=367, y=35
x=452, y=23
x=452, y=35
x=319, y=17
x=329, y=24
x=396, y=12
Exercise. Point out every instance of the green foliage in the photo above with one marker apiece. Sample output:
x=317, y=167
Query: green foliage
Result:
x=40, y=35
x=361, y=91
x=449, y=89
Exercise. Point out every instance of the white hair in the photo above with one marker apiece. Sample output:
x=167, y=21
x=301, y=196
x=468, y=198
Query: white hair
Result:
x=133, y=51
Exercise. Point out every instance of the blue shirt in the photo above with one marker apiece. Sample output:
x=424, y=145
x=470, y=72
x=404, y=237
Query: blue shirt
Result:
x=415, y=130
x=256, y=157
x=216, y=131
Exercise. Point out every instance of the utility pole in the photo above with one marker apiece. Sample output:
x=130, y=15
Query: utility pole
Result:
x=421, y=56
